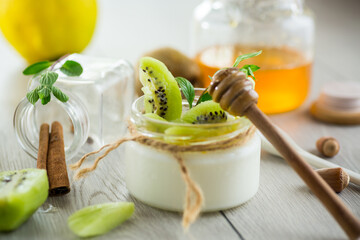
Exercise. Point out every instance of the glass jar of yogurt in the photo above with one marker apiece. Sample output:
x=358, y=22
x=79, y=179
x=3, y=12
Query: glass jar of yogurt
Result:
x=227, y=175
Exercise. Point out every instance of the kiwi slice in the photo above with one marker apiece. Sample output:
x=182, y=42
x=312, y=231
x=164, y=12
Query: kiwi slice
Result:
x=154, y=116
x=178, y=64
x=162, y=94
x=21, y=193
x=155, y=126
x=205, y=112
x=99, y=219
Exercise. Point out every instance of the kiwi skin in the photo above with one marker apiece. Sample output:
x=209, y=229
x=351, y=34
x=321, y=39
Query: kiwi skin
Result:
x=177, y=63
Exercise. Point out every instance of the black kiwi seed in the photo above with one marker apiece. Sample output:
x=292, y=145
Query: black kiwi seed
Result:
x=144, y=70
x=151, y=72
x=211, y=117
x=149, y=80
x=147, y=68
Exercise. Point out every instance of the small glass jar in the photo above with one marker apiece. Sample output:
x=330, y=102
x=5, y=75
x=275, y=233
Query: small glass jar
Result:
x=99, y=102
x=282, y=29
x=227, y=177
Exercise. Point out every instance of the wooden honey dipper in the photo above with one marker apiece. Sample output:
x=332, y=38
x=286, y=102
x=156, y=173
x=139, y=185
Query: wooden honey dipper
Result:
x=231, y=88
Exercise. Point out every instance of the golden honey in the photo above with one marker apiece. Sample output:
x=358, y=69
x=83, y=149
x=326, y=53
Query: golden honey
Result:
x=282, y=81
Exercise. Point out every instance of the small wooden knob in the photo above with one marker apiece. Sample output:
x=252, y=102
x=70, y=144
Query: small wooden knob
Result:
x=337, y=178
x=233, y=91
x=328, y=146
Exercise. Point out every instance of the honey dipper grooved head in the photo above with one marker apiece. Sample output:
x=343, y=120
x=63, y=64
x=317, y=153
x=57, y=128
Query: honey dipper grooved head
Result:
x=231, y=88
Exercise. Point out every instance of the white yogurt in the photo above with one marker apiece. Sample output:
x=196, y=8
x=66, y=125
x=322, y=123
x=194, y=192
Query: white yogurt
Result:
x=227, y=177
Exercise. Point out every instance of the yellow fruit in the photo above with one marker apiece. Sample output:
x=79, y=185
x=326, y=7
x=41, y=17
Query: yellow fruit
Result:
x=47, y=29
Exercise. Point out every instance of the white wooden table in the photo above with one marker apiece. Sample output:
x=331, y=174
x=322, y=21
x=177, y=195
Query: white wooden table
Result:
x=284, y=208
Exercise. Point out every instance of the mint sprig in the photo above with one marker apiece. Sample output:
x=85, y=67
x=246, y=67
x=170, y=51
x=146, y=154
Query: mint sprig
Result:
x=245, y=56
x=187, y=89
x=249, y=70
x=48, y=78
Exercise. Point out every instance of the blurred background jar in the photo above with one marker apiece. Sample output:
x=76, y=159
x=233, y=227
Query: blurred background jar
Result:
x=282, y=29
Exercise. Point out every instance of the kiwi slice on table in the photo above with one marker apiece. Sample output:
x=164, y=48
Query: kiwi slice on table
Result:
x=205, y=112
x=162, y=94
x=21, y=193
x=99, y=219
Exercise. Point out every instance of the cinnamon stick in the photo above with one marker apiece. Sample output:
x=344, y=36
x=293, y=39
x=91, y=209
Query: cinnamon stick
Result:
x=43, y=146
x=56, y=165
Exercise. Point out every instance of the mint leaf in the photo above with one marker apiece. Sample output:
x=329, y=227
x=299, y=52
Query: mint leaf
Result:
x=205, y=96
x=33, y=96
x=45, y=100
x=251, y=66
x=187, y=89
x=36, y=67
x=71, y=68
x=59, y=94
x=44, y=92
x=249, y=70
x=245, y=56
x=48, y=78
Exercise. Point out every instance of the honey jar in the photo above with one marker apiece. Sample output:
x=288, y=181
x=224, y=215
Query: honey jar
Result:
x=283, y=30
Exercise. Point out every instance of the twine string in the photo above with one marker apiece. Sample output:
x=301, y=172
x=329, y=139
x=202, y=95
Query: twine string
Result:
x=193, y=197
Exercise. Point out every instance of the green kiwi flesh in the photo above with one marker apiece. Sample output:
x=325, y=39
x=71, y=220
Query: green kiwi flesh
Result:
x=205, y=112
x=162, y=94
x=155, y=126
x=21, y=193
x=183, y=135
x=154, y=116
x=99, y=219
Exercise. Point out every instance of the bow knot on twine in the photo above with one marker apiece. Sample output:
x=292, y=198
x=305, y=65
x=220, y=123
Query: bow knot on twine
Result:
x=194, y=198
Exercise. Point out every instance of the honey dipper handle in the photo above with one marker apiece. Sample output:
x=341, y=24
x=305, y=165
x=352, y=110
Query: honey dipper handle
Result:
x=349, y=223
